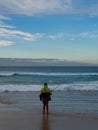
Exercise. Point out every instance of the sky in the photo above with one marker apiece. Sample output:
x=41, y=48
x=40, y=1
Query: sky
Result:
x=55, y=29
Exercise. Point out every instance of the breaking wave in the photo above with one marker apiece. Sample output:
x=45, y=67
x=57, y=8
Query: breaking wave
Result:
x=46, y=74
x=80, y=86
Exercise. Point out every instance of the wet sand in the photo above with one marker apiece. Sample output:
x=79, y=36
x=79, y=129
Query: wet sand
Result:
x=21, y=120
x=18, y=116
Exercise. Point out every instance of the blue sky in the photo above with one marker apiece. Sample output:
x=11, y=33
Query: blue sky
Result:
x=56, y=29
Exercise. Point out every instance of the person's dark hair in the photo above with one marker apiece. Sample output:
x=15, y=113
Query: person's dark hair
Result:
x=45, y=83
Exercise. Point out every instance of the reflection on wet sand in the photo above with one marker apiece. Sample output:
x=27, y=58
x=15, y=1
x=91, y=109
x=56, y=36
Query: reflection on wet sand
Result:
x=45, y=124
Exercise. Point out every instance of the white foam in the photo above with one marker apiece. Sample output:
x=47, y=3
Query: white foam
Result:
x=11, y=87
x=82, y=86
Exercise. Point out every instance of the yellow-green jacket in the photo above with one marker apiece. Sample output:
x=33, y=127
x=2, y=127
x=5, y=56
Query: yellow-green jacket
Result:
x=46, y=89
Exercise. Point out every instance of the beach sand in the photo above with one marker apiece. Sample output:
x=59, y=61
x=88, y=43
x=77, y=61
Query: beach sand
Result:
x=21, y=116
x=12, y=119
x=15, y=115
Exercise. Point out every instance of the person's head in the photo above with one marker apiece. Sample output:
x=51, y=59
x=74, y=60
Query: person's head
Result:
x=45, y=84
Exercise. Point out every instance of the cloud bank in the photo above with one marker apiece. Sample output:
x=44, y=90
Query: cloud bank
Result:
x=40, y=62
x=33, y=7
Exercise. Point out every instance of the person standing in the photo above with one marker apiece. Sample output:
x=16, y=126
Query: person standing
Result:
x=45, y=97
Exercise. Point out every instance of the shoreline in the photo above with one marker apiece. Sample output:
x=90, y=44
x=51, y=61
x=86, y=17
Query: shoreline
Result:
x=23, y=111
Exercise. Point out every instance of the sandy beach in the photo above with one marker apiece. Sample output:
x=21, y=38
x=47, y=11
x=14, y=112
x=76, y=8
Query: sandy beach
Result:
x=18, y=119
x=23, y=111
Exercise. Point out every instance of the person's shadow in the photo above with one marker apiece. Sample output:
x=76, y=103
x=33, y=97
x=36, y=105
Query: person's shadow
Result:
x=45, y=125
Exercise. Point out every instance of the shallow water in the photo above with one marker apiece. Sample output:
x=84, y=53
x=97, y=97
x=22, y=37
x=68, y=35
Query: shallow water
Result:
x=75, y=102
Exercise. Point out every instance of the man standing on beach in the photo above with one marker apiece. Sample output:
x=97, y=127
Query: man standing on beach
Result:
x=45, y=97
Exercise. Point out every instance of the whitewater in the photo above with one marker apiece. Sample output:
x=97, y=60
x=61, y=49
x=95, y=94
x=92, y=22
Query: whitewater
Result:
x=61, y=78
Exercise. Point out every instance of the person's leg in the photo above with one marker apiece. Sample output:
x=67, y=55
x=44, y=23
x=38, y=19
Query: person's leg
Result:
x=43, y=108
x=47, y=107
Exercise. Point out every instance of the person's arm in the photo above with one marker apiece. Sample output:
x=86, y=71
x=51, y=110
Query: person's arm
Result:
x=50, y=92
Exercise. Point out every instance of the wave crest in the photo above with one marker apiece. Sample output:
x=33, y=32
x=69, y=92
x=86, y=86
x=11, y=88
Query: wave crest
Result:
x=80, y=86
x=47, y=74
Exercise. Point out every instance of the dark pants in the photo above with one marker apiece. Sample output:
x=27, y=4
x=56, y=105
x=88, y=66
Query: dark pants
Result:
x=45, y=105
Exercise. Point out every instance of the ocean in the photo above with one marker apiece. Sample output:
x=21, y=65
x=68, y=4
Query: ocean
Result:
x=75, y=89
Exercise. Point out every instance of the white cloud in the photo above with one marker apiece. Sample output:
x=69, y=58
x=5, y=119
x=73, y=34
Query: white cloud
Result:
x=31, y=7
x=84, y=35
x=8, y=33
x=57, y=36
x=72, y=37
x=6, y=43
x=3, y=25
x=4, y=18
x=60, y=36
x=88, y=35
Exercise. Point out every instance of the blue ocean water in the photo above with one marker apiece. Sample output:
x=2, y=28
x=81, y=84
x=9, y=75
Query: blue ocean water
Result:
x=61, y=78
x=75, y=88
